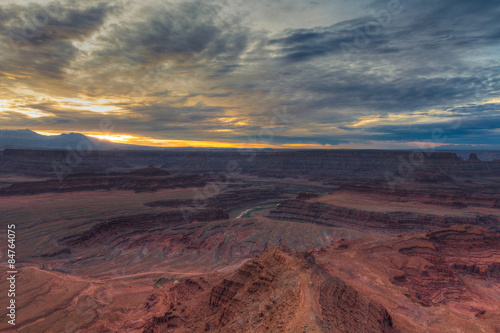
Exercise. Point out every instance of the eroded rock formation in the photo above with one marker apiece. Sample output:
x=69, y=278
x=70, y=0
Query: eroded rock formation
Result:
x=453, y=271
x=278, y=291
x=143, y=180
x=322, y=213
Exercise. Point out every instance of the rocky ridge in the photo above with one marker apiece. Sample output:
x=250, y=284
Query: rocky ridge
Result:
x=149, y=179
x=278, y=291
x=321, y=213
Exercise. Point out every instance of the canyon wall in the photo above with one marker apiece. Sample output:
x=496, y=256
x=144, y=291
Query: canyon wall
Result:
x=321, y=213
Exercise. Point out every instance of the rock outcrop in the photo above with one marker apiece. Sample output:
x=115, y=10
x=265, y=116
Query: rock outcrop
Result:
x=143, y=180
x=106, y=231
x=300, y=210
x=278, y=291
x=444, y=256
x=453, y=272
x=473, y=158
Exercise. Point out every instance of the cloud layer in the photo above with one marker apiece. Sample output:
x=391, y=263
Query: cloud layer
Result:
x=381, y=73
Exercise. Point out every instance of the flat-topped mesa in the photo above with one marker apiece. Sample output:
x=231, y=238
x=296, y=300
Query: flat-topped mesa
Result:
x=335, y=210
x=448, y=193
x=16, y=153
x=272, y=163
x=144, y=180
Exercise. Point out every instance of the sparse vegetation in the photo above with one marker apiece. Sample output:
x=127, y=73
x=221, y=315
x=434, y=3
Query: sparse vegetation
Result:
x=161, y=281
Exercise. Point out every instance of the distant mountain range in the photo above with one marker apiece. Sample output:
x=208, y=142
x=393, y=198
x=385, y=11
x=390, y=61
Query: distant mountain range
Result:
x=27, y=139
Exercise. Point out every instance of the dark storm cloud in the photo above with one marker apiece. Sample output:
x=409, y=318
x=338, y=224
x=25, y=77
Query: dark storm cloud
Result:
x=424, y=55
x=224, y=70
x=479, y=132
x=36, y=25
x=165, y=113
x=15, y=119
x=307, y=44
x=181, y=31
x=410, y=25
x=367, y=92
x=37, y=41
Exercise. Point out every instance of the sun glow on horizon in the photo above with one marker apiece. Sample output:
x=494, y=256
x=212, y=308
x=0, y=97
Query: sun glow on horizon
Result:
x=175, y=143
x=119, y=138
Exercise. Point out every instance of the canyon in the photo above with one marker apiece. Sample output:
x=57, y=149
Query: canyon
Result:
x=253, y=241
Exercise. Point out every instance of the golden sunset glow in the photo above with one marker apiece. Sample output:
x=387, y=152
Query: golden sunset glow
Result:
x=115, y=138
x=32, y=113
x=100, y=106
x=366, y=120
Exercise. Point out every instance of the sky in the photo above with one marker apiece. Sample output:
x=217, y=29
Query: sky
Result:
x=383, y=74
